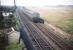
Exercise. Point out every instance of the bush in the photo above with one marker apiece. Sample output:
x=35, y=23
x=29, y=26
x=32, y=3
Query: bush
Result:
x=7, y=22
x=3, y=40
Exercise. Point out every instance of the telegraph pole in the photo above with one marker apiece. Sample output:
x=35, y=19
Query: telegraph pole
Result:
x=0, y=2
x=15, y=4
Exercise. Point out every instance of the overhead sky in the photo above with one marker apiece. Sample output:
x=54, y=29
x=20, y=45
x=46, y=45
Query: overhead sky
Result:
x=37, y=2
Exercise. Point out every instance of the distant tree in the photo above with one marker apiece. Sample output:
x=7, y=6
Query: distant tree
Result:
x=7, y=22
x=10, y=22
x=1, y=20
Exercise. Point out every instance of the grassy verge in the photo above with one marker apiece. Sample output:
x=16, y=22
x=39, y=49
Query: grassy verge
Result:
x=13, y=46
x=70, y=42
x=66, y=25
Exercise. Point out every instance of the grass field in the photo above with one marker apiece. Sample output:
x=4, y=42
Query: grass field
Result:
x=59, y=16
x=66, y=25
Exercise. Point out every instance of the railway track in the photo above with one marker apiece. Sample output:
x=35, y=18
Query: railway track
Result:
x=56, y=39
x=38, y=40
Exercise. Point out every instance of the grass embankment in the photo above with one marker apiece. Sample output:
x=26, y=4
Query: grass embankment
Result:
x=66, y=25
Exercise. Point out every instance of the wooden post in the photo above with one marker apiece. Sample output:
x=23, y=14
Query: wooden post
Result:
x=0, y=2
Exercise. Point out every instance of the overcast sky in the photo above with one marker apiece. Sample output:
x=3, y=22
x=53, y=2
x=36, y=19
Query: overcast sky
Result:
x=37, y=2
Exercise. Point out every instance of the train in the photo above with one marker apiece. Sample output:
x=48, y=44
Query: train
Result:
x=34, y=15
x=36, y=18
